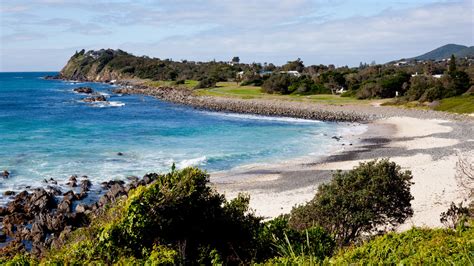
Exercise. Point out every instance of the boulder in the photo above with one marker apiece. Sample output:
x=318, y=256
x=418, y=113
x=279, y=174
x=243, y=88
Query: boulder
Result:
x=3, y=237
x=40, y=201
x=5, y=174
x=85, y=185
x=100, y=98
x=9, y=193
x=81, y=208
x=86, y=90
x=64, y=206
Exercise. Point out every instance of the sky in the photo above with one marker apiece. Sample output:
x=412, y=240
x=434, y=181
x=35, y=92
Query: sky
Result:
x=41, y=35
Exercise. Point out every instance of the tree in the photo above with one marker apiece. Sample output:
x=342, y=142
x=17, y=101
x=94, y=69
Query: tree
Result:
x=296, y=65
x=235, y=59
x=278, y=84
x=359, y=201
x=452, y=64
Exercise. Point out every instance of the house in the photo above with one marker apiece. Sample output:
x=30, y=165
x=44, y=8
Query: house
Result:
x=401, y=63
x=291, y=72
x=265, y=73
x=437, y=76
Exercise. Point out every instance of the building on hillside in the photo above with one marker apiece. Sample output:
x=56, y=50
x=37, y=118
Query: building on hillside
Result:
x=292, y=73
x=265, y=73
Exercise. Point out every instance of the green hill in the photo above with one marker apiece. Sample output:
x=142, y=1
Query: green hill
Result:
x=446, y=51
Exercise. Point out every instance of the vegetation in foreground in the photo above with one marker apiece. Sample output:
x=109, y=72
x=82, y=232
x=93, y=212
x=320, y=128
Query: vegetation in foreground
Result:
x=179, y=219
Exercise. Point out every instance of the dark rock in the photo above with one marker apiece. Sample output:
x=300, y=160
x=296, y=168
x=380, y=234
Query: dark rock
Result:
x=85, y=185
x=81, y=208
x=100, y=98
x=54, y=190
x=110, y=183
x=3, y=237
x=18, y=203
x=72, y=183
x=73, y=178
x=5, y=174
x=3, y=211
x=87, y=90
x=40, y=201
x=64, y=206
x=81, y=195
x=9, y=193
x=37, y=232
x=69, y=195
x=119, y=154
x=132, y=178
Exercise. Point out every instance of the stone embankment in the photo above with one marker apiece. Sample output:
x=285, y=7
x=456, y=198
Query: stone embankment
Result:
x=259, y=107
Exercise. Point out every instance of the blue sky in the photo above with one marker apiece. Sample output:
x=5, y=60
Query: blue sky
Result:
x=42, y=34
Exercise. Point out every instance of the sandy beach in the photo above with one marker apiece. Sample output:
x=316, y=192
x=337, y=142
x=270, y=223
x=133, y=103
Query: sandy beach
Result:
x=428, y=147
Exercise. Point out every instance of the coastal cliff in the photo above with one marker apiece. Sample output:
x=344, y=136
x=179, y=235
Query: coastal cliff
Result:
x=93, y=66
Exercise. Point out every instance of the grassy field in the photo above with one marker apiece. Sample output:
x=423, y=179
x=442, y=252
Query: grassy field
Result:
x=461, y=104
x=232, y=89
x=188, y=84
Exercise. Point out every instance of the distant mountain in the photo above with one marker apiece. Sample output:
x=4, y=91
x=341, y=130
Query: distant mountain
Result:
x=446, y=51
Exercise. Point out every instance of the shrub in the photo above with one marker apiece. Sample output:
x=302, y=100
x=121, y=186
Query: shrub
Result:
x=279, y=239
x=417, y=246
x=207, y=82
x=359, y=201
x=455, y=216
x=418, y=86
x=431, y=94
x=176, y=218
x=278, y=84
x=368, y=90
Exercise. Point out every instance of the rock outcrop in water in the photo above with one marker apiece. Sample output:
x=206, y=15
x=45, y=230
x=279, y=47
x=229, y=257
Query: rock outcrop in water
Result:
x=87, y=90
x=100, y=98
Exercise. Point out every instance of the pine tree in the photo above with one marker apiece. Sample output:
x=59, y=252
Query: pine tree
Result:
x=452, y=64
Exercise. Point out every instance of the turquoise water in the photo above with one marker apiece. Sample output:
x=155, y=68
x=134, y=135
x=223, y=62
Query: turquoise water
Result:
x=47, y=132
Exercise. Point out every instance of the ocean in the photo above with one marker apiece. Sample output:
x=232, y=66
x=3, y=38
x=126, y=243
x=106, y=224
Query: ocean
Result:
x=46, y=131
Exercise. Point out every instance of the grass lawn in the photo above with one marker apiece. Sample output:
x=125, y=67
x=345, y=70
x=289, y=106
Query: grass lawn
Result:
x=232, y=89
x=188, y=84
x=460, y=104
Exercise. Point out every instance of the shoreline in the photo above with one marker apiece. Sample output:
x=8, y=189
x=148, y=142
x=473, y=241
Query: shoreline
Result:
x=275, y=189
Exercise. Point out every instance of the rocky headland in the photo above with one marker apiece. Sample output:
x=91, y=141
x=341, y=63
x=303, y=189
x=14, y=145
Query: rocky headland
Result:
x=42, y=218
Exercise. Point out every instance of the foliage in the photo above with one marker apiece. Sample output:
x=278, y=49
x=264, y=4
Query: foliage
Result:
x=357, y=202
x=417, y=246
x=455, y=216
x=177, y=218
x=280, y=240
x=279, y=83
x=296, y=65
x=207, y=82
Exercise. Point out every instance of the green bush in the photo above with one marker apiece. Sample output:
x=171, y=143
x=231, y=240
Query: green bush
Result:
x=177, y=211
x=207, y=82
x=359, y=201
x=417, y=246
x=279, y=83
x=280, y=240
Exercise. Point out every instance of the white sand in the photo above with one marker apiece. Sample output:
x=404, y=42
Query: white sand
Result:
x=435, y=183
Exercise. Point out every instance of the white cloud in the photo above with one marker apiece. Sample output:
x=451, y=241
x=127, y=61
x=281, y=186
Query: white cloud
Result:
x=318, y=31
